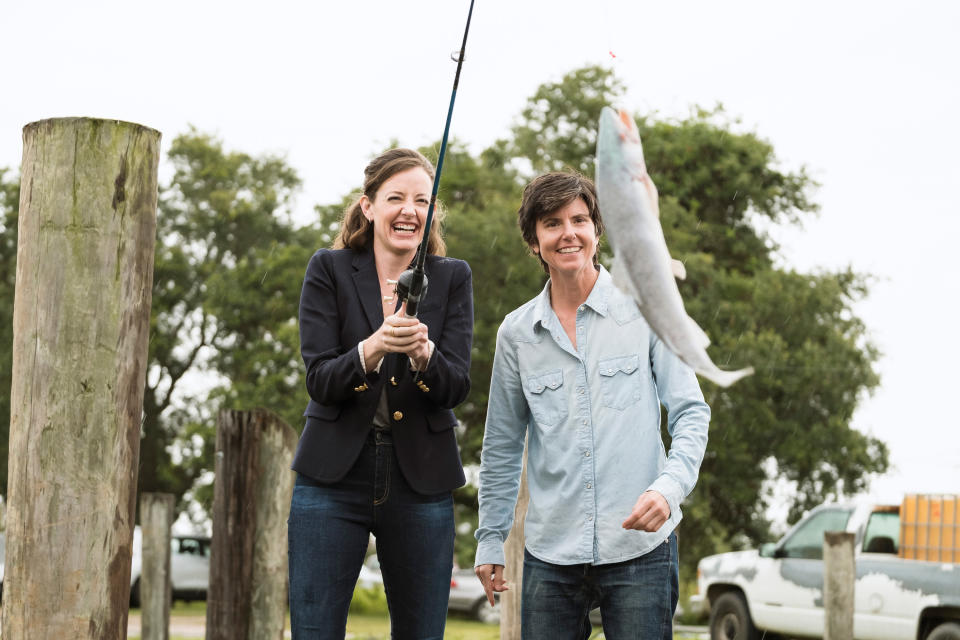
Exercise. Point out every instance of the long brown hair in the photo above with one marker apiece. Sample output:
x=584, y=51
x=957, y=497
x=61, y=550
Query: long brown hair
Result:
x=356, y=232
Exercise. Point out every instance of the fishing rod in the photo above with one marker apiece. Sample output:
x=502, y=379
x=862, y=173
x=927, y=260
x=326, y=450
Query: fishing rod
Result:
x=411, y=286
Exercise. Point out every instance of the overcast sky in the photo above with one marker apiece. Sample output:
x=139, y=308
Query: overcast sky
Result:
x=863, y=94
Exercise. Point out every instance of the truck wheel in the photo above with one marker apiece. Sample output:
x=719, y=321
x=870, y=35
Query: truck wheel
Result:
x=945, y=631
x=730, y=620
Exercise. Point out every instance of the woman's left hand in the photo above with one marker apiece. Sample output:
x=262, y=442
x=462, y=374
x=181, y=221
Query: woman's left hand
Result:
x=401, y=334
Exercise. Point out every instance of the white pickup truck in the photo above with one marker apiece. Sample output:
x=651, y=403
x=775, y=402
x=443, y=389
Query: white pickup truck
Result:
x=779, y=588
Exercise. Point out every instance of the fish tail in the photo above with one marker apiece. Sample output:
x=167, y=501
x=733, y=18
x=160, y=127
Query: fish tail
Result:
x=724, y=378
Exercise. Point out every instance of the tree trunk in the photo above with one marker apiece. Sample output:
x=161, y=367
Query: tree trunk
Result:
x=87, y=228
x=839, y=574
x=156, y=518
x=513, y=572
x=247, y=597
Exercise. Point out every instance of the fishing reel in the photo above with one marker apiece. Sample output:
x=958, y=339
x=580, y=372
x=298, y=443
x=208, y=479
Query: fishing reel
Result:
x=411, y=288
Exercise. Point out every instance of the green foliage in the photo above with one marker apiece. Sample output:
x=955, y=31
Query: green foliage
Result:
x=221, y=218
x=558, y=127
x=369, y=600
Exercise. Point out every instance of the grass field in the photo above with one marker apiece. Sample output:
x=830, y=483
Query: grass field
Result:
x=187, y=623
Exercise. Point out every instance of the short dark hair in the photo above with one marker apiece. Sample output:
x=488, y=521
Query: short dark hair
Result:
x=549, y=193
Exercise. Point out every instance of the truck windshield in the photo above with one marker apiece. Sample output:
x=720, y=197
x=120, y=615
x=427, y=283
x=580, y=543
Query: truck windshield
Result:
x=807, y=540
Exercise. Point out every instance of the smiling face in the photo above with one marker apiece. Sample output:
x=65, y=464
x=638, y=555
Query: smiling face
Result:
x=398, y=211
x=567, y=240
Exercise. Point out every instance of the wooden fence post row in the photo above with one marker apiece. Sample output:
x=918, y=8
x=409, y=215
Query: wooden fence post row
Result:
x=247, y=596
x=87, y=229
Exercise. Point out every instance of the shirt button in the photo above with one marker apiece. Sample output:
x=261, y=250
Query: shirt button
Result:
x=589, y=486
x=580, y=390
x=589, y=518
x=586, y=454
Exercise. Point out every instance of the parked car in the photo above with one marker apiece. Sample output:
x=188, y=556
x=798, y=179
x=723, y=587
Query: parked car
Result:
x=189, y=567
x=467, y=596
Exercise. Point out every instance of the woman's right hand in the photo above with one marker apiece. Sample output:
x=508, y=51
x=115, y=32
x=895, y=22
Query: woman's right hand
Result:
x=491, y=577
x=397, y=334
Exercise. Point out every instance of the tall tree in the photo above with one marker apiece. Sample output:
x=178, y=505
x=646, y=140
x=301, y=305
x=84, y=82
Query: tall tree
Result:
x=257, y=304
x=219, y=213
x=558, y=127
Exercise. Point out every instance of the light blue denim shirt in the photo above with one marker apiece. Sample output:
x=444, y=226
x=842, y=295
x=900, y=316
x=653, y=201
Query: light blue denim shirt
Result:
x=593, y=418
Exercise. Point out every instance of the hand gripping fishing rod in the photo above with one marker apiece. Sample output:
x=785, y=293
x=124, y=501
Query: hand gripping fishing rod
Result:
x=412, y=284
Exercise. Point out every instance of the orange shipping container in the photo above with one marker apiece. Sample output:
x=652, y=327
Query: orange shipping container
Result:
x=930, y=528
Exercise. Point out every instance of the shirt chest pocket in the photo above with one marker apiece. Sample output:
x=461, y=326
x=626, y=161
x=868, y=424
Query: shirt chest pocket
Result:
x=620, y=381
x=547, y=397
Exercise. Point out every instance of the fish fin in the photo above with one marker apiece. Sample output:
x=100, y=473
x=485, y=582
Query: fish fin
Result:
x=725, y=378
x=621, y=279
x=703, y=338
x=679, y=271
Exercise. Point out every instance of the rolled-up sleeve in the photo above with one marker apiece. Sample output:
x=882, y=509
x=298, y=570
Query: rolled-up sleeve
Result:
x=501, y=460
x=688, y=418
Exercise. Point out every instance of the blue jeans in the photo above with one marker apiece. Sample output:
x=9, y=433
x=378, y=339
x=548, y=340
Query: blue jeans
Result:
x=637, y=598
x=328, y=531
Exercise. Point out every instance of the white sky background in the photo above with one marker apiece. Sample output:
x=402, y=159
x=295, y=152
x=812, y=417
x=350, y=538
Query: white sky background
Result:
x=864, y=94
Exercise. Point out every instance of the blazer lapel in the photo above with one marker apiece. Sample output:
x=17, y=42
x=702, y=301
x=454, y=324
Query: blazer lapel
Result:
x=368, y=287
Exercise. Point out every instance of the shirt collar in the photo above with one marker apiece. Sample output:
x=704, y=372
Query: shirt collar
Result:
x=598, y=299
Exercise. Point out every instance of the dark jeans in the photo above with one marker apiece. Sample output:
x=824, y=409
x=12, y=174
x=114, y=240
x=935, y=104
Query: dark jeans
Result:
x=329, y=528
x=637, y=598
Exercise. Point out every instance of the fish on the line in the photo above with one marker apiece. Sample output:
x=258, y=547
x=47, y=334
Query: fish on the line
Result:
x=642, y=267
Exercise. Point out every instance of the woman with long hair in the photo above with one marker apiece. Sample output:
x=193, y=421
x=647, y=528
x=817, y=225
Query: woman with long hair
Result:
x=378, y=453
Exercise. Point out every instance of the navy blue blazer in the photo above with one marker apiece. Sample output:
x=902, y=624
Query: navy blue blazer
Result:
x=340, y=305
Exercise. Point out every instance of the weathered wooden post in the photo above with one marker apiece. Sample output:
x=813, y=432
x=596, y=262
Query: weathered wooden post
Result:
x=156, y=518
x=839, y=575
x=247, y=596
x=88, y=204
x=513, y=550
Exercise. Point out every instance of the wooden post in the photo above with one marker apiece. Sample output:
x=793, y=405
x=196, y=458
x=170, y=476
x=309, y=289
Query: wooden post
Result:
x=156, y=518
x=839, y=575
x=513, y=550
x=247, y=596
x=88, y=203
